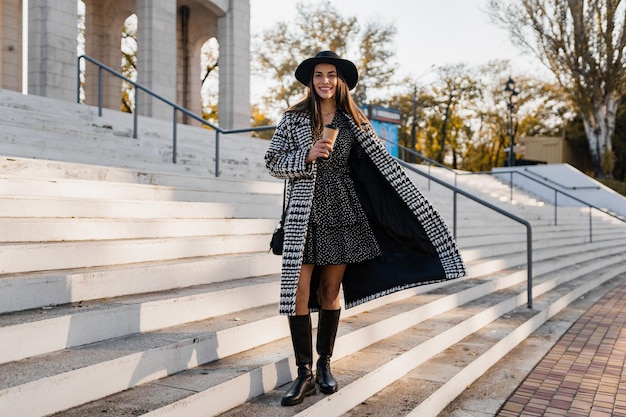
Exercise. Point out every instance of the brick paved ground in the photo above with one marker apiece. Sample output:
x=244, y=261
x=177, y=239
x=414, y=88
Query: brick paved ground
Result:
x=583, y=375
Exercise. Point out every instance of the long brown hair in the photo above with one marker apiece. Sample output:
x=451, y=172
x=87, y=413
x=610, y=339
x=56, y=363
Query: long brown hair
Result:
x=311, y=104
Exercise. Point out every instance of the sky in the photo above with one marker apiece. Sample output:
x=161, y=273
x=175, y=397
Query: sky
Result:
x=430, y=33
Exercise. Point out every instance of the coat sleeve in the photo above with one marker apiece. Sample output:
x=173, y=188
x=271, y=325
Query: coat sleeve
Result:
x=285, y=157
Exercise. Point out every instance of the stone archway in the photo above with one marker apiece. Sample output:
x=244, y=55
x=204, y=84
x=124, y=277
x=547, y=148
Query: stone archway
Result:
x=103, y=27
x=52, y=63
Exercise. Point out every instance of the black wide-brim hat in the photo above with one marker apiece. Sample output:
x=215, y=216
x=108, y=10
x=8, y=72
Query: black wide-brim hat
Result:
x=304, y=72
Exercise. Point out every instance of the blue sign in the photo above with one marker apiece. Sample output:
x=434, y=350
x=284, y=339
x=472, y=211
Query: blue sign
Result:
x=385, y=122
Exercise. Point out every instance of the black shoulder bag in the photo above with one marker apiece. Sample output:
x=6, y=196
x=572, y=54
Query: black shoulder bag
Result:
x=278, y=237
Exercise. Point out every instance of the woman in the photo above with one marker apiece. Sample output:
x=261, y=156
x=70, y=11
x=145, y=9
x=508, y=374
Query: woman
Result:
x=353, y=219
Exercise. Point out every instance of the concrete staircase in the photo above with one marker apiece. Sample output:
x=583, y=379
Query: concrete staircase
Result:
x=133, y=286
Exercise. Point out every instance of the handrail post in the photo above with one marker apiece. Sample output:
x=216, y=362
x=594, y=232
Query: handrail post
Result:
x=590, y=226
x=174, y=128
x=78, y=79
x=454, y=214
x=511, y=187
x=529, y=262
x=217, y=153
x=136, y=113
x=99, y=91
x=556, y=205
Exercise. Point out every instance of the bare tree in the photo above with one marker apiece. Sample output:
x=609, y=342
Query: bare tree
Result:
x=457, y=88
x=318, y=27
x=374, y=64
x=583, y=43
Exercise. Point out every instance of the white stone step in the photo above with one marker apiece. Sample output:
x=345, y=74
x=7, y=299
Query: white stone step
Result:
x=30, y=257
x=487, y=394
x=128, y=271
x=124, y=191
x=30, y=206
x=470, y=355
x=80, y=229
x=34, y=128
x=46, y=289
x=265, y=376
x=48, y=169
x=229, y=167
x=32, y=333
x=545, y=267
x=76, y=229
x=554, y=245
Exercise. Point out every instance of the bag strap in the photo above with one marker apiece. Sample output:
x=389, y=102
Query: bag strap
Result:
x=282, y=217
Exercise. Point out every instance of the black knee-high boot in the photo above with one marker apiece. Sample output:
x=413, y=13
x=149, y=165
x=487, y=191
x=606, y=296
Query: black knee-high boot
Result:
x=301, y=337
x=326, y=333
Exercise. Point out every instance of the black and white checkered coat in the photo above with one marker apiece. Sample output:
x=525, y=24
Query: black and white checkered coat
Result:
x=436, y=258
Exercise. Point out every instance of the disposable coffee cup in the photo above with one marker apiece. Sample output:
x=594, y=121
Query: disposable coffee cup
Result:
x=330, y=132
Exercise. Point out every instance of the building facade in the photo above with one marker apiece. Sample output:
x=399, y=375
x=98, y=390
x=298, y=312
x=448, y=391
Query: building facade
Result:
x=170, y=35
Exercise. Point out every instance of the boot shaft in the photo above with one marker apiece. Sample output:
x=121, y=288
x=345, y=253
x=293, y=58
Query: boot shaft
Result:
x=301, y=339
x=327, y=332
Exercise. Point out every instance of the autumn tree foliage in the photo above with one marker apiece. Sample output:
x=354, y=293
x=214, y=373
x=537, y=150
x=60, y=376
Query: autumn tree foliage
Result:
x=315, y=28
x=583, y=43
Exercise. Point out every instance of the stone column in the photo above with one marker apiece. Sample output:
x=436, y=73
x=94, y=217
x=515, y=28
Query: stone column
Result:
x=52, y=39
x=11, y=43
x=156, y=55
x=103, y=28
x=234, y=66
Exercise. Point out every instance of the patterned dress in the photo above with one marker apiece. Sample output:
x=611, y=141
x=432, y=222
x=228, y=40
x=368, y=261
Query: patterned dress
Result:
x=338, y=231
x=426, y=254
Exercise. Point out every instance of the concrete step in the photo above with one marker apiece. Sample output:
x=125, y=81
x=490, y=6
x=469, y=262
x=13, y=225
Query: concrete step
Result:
x=377, y=366
x=31, y=206
x=486, y=186
x=153, y=242
x=250, y=374
x=129, y=153
x=45, y=169
x=73, y=325
x=143, y=354
x=13, y=103
x=29, y=257
x=35, y=129
x=555, y=246
x=141, y=287
x=487, y=394
x=479, y=236
x=49, y=169
x=73, y=188
x=66, y=283
x=229, y=167
x=25, y=229
x=430, y=386
x=51, y=288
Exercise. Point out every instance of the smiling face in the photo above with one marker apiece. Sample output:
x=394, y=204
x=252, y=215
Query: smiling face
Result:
x=325, y=80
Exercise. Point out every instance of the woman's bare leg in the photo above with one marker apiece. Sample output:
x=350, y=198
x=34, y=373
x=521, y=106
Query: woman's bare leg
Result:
x=329, y=286
x=304, y=288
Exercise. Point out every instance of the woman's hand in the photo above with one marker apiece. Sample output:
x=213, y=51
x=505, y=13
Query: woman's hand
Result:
x=320, y=149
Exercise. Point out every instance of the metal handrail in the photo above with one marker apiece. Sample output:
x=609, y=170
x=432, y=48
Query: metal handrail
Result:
x=175, y=107
x=556, y=194
x=456, y=190
x=430, y=162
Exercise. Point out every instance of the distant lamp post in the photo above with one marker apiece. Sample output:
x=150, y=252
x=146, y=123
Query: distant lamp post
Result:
x=509, y=87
